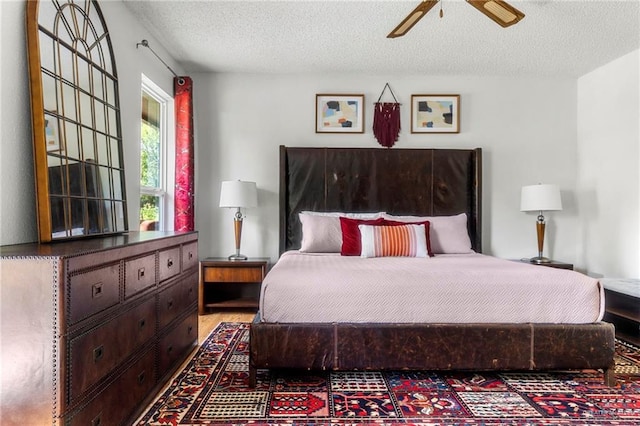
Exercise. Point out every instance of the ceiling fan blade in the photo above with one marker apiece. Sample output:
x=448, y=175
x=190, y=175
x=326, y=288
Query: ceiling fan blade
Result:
x=411, y=19
x=499, y=11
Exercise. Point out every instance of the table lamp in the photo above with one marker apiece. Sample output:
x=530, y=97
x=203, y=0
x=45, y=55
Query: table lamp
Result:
x=540, y=198
x=238, y=194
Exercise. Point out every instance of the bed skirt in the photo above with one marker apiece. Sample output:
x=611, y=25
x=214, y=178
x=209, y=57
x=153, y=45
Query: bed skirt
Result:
x=482, y=347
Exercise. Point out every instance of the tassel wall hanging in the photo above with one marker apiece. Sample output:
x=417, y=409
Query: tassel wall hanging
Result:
x=386, y=120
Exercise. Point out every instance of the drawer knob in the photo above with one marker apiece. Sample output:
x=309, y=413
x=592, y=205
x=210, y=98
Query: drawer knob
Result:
x=170, y=349
x=142, y=323
x=98, y=353
x=96, y=290
x=169, y=263
x=141, y=377
x=140, y=273
x=190, y=329
x=170, y=304
x=190, y=255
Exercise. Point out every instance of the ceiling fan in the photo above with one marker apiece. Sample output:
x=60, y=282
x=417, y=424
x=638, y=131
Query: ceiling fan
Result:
x=500, y=11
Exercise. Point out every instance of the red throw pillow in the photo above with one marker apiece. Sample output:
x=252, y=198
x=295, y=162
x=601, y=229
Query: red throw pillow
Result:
x=351, y=245
x=426, y=224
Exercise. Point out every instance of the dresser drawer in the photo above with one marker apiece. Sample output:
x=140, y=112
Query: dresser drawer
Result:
x=139, y=274
x=120, y=400
x=177, y=342
x=234, y=274
x=174, y=300
x=96, y=353
x=93, y=291
x=169, y=263
x=189, y=256
x=81, y=321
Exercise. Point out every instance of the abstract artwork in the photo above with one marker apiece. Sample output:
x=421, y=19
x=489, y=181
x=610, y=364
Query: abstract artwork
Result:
x=339, y=113
x=51, y=133
x=435, y=113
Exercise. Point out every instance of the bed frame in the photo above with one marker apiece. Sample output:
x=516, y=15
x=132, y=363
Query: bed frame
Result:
x=427, y=182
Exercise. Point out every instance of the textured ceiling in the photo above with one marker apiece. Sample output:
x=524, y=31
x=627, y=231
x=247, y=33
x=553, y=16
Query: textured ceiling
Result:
x=556, y=38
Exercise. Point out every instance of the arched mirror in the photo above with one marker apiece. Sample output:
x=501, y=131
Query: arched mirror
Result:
x=77, y=138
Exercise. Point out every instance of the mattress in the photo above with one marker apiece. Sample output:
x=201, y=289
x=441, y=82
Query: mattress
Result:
x=455, y=288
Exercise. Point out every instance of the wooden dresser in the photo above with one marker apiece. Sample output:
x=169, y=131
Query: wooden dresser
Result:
x=92, y=329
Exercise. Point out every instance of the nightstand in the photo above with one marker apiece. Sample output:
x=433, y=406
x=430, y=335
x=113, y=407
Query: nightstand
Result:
x=622, y=307
x=228, y=283
x=552, y=264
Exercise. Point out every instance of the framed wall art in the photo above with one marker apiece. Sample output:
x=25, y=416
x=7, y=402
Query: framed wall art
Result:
x=339, y=113
x=435, y=113
x=51, y=133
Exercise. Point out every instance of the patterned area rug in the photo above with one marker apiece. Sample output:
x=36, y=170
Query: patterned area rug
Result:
x=212, y=389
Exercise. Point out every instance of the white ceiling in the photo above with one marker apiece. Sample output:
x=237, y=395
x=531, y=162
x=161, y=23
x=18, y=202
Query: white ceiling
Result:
x=556, y=37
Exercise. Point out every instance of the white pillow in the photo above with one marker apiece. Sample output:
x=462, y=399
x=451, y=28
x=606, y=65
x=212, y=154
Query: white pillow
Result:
x=448, y=234
x=393, y=240
x=321, y=231
x=320, y=234
x=373, y=215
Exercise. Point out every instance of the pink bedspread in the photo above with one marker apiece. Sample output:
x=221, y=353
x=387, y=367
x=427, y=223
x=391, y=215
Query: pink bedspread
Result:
x=460, y=288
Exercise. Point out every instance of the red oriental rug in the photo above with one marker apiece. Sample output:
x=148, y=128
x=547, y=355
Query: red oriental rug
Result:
x=212, y=390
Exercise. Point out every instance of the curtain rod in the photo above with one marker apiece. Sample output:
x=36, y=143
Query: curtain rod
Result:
x=145, y=43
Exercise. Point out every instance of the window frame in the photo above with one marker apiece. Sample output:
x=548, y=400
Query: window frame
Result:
x=165, y=191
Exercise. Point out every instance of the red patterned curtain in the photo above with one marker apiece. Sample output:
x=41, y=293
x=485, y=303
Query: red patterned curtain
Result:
x=184, y=191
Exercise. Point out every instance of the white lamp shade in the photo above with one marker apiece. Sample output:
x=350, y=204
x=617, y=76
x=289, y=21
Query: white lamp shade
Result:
x=540, y=198
x=237, y=193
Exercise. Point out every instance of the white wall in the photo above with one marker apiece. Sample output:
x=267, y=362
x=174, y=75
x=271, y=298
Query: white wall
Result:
x=608, y=188
x=17, y=193
x=526, y=128
x=17, y=188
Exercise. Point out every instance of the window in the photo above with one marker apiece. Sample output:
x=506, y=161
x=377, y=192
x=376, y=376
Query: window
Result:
x=156, y=147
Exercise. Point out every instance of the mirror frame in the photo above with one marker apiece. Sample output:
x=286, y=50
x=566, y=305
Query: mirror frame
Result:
x=78, y=196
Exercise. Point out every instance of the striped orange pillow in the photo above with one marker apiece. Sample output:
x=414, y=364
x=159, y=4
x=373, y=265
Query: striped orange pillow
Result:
x=398, y=240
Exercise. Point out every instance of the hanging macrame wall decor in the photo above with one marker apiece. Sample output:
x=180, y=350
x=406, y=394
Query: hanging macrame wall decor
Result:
x=386, y=120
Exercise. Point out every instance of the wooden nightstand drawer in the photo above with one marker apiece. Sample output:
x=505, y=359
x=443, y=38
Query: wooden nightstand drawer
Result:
x=230, y=284
x=247, y=274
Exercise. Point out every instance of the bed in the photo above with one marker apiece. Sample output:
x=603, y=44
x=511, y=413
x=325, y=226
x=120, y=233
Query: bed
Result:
x=438, y=183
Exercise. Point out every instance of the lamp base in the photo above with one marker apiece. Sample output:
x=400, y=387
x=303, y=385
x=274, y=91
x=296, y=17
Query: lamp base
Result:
x=540, y=259
x=237, y=256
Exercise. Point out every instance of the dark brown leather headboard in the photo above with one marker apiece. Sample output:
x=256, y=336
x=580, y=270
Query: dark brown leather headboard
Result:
x=426, y=182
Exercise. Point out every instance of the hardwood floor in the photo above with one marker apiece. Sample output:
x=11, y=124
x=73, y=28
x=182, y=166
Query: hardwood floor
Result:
x=207, y=322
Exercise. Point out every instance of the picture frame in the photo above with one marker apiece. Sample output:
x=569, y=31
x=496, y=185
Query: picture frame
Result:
x=52, y=138
x=339, y=113
x=435, y=113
